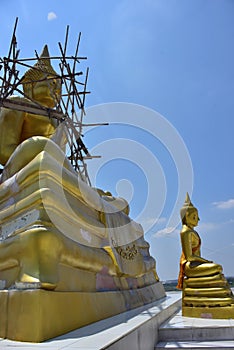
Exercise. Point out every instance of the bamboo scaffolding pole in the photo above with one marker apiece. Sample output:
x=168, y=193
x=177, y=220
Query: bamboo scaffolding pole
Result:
x=69, y=108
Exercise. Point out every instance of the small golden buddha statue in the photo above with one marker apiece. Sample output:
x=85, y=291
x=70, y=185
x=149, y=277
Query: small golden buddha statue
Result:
x=201, y=280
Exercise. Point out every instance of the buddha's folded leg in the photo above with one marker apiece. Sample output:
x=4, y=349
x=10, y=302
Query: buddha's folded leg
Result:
x=87, y=258
x=39, y=251
x=36, y=252
x=197, y=269
x=28, y=150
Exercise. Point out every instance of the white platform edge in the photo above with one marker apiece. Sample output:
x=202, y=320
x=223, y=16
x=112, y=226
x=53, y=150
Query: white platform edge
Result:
x=135, y=329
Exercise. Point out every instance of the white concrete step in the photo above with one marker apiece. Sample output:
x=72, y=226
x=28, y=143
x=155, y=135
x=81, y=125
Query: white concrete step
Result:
x=199, y=333
x=196, y=345
x=180, y=332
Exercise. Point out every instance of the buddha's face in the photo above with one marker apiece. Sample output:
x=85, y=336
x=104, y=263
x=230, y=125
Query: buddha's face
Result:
x=47, y=92
x=192, y=218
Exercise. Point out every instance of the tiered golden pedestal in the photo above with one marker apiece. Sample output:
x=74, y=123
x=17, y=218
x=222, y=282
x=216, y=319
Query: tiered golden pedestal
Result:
x=209, y=297
x=57, y=272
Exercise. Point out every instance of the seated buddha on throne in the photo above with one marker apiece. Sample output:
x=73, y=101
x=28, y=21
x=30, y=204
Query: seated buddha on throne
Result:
x=206, y=292
x=56, y=233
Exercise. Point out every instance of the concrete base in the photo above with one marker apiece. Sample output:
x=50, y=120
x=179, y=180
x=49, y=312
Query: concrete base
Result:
x=37, y=315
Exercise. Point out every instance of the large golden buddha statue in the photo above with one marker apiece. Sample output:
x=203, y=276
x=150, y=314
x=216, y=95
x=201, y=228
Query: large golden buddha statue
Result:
x=65, y=247
x=41, y=86
x=206, y=292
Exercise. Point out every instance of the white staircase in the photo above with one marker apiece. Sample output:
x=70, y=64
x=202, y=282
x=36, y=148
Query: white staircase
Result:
x=194, y=333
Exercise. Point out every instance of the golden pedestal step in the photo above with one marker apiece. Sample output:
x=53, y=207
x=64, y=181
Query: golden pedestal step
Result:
x=37, y=315
x=208, y=297
x=223, y=312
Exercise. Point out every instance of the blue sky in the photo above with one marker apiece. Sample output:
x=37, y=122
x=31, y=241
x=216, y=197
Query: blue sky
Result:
x=171, y=56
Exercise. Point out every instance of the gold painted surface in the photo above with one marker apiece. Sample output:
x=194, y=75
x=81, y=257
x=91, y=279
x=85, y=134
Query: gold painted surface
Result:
x=37, y=315
x=39, y=250
x=76, y=262
x=208, y=301
x=201, y=280
x=3, y=313
x=38, y=185
x=42, y=85
x=208, y=292
x=206, y=281
x=209, y=312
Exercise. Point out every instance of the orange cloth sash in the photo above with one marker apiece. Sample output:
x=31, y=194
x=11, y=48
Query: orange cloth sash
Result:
x=182, y=266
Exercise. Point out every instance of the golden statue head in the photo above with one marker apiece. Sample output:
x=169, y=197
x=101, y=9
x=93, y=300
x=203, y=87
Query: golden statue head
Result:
x=41, y=83
x=189, y=213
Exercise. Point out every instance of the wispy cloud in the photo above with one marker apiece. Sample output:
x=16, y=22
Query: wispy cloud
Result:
x=207, y=226
x=51, y=16
x=161, y=220
x=225, y=204
x=151, y=221
x=166, y=231
x=203, y=227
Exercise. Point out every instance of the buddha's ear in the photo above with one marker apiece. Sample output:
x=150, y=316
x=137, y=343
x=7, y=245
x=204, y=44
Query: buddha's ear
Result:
x=186, y=215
